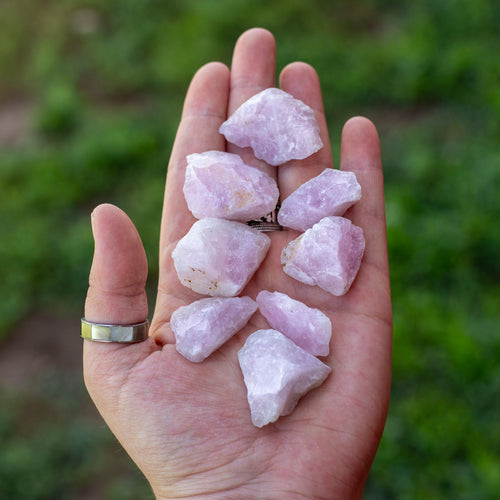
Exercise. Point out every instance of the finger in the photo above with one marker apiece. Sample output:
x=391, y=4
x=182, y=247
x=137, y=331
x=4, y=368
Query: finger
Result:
x=117, y=280
x=205, y=108
x=360, y=153
x=119, y=270
x=252, y=70
x=301, y=80
x=115, y=296
x=362, y=341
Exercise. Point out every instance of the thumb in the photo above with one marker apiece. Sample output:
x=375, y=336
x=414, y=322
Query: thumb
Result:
x=118, y=275
x=116, y=295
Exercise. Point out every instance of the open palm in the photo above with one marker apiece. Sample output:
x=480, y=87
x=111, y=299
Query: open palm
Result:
x=187, y=426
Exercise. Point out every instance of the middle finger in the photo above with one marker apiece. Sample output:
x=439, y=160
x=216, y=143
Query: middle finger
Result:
x=252, y=70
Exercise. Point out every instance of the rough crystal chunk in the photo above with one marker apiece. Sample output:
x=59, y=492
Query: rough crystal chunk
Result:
x=330, y=193
x=201, y=327
x=276, y=126
x=221, y=185
x=218, y=257
x=277, y=374
x=327, y=255
x=308, y=327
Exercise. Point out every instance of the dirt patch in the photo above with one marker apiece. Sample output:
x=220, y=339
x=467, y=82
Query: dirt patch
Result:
x=15, y=122
x=42, y=345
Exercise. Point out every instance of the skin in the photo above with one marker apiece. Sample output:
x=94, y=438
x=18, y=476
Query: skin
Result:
x=187, y=426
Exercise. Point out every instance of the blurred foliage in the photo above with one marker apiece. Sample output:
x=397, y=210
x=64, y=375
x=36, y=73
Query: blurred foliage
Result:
x=106, y=80
x=52, y=448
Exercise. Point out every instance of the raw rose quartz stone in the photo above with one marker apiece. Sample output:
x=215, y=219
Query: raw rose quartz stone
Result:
x=327, y=255
x=204, y=325
x=218, y=257
x=309, y=328
x=330, y=193
x=277, y=373
x=220, y=185
x=276, y=126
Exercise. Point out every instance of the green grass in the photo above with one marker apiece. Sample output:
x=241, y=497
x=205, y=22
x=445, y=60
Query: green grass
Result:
x=105, y=109
x=52, y=448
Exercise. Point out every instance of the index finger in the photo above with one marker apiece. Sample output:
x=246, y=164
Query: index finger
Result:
x=205, y=108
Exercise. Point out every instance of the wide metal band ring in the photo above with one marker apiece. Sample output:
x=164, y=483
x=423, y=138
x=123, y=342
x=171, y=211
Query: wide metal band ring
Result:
x=125, y=334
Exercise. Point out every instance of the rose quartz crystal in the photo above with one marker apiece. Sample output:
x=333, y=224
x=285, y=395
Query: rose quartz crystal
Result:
x=276, y=126
x=218, y=257
x=330, y=193
x=309, y=328
x=220, y=185
x=277, y=373
x=327, y=255
x=201, y=327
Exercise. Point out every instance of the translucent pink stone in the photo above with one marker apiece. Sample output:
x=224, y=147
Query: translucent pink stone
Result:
x=330, y=193
x=276, y=126
x=201, y=327
x=221, y=185
x=218, y=257
x=277, y=374
x=309, y=328
x=327, y=255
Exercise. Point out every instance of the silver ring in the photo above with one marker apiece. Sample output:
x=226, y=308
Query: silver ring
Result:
x=269, y=222
x=125, y=334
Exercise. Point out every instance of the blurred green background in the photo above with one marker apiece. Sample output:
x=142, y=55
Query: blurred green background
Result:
x=90, y=97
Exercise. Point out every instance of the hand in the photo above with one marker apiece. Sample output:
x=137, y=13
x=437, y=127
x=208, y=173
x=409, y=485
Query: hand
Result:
x=187, y=426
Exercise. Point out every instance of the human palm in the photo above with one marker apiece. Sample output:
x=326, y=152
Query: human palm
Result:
x=186, y=425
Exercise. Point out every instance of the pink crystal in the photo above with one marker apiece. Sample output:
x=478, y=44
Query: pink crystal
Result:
x=218, y=257
x=220, y=185
x=327, y=255
x=276, y=126
x=309, y=328
x=277, y=374
x=330, y=193
x=201, y=327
